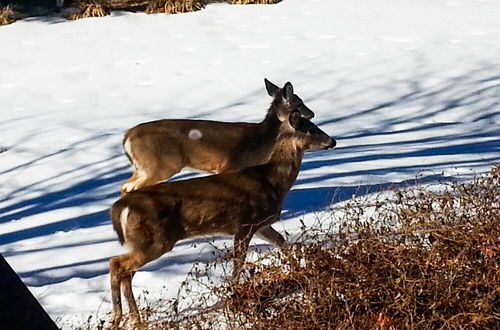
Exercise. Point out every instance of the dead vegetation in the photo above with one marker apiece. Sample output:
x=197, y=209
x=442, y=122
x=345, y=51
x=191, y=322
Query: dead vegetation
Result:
x=132, y=5
x=174, y=6
x=252, y=2
x=7, y=15
x=89, y=8
x=414, y=258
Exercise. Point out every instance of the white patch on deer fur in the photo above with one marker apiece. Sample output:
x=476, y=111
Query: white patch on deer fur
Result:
x=123, y=221
x=195, y=134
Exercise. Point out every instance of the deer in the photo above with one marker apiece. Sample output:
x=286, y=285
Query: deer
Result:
x=149, y=221
x=159, y=149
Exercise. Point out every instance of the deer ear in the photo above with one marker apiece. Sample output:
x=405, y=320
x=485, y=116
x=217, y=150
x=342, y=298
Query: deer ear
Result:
x=271, y=88
x=288, y=90
x=294, y=118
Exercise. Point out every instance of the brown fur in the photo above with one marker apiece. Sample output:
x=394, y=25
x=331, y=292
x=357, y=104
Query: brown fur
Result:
x=239, y=204
x=160, y=149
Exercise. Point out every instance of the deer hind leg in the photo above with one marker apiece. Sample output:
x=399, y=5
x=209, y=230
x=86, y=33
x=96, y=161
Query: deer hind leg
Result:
x=138, y=180
x=129, y=294
x=116, y=276
x=122, y=270
x=143, y=177
x=128, y=185
x=158, y=175
x=151, y=164
x=147, y=171
x=270, y=235
x=139, y=175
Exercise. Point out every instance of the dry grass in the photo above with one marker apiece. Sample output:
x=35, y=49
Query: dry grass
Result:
x=174, y=6
x=7, y=15
x=127, y=4
x=89, y=8
x=251, y=2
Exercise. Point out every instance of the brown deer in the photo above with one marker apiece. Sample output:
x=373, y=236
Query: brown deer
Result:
x=160, y=149
x=150, y=220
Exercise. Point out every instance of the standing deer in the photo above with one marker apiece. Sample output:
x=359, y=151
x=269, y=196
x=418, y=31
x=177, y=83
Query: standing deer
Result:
x=160, y=149
x=150, y=220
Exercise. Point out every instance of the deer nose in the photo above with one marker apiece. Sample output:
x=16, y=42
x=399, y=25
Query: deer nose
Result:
x=332, y=144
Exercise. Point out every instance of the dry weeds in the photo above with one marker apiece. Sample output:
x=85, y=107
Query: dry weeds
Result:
x=89, y=8
x=7, y=15
x=174, y=6
x=127, y=4
x=251, y=2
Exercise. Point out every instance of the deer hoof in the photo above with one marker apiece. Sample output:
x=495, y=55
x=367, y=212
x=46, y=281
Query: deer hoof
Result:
x=114, y=323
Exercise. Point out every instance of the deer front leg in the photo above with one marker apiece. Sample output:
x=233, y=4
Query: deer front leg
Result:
x=241, y=242
x=270, y=235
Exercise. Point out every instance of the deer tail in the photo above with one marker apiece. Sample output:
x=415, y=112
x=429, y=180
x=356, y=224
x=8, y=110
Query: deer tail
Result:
x=119, y=216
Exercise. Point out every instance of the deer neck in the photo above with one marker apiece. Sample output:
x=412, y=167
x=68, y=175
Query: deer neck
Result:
x=271, y=123
x=272, y=113
x=283, y=167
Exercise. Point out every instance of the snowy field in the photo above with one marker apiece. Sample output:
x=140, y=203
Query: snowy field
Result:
x=410, y=89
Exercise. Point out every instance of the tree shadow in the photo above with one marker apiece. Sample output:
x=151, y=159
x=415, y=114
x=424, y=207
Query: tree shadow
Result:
x=309, y=200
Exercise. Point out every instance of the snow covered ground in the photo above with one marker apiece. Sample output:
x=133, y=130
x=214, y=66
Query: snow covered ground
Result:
x=408, y=88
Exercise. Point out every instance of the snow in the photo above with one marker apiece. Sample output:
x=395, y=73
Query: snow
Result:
x=408, y=88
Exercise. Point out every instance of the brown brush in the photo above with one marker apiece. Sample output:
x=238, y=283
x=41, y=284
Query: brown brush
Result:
x=7, y=15
x=174, y=6
x=251, y=2
x=89, y=8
